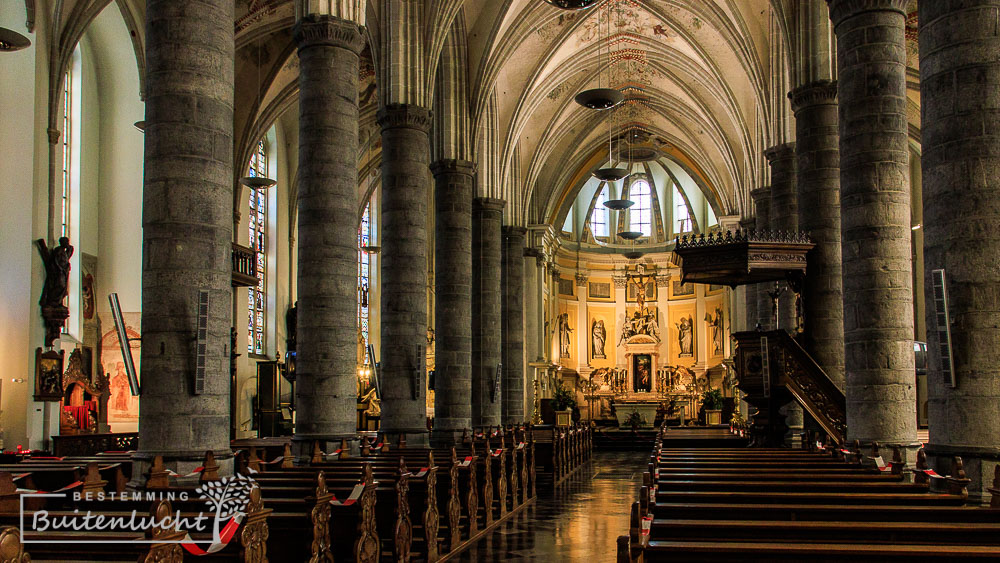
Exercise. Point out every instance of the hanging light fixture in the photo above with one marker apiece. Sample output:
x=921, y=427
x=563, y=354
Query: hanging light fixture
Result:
x=619, y=204
x=572, y=4
x=258, y=182
x=11, y=40
x=598, y=98
x=630, y=235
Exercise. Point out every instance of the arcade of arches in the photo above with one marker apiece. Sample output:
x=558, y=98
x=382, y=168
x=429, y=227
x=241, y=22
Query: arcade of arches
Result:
x=434, y=253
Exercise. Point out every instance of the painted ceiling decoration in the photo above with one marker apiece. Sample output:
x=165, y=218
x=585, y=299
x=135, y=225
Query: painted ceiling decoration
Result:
x=703, y=82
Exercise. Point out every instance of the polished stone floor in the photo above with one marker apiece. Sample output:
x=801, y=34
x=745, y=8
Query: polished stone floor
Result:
x=578, y=522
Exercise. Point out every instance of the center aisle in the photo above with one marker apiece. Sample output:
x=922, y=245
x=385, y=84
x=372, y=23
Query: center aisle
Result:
x=578, y=522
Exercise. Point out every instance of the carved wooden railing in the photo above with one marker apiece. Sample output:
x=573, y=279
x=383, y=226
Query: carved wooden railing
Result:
x=92, y=444
x=244, y=266
x=787, y=366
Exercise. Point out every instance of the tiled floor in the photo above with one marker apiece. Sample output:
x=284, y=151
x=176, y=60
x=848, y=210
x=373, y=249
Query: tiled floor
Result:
x=578, y=522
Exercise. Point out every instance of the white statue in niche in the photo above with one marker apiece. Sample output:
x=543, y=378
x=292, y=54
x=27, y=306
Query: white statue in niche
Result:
x=685, y=337
x=599, y=336
x=564, y=330
x=715, y=323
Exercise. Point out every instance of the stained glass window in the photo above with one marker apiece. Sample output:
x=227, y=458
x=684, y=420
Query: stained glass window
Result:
x=257, y=225
x=599, y=217
x=364, y=275
x=66, y=148
x=641, y=213
x=682, y=217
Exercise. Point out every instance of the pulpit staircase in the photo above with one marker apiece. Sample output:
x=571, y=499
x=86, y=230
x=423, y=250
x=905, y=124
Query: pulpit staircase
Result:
x=773, y=369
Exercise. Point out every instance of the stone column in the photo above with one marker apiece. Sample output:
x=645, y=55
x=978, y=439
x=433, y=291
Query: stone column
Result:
x=817, y=149
x=750, y=291
x=543, y=344
x=454, y=182
x=784, y=216
x=762, y=203
x=405, y=179
x=531, y=328
x=487, y=215
x=187, y=231
x=326, y=382
x=961, y=203
x=875, y=220
x=513, y=325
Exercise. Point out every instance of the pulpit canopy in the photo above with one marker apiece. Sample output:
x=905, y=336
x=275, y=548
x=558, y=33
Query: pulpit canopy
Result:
x=741, y=258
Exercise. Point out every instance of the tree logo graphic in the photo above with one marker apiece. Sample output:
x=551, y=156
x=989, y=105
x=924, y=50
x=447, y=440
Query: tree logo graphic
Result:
x=227, y=497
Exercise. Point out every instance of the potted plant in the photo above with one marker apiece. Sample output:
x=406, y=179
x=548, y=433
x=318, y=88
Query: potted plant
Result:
x=635, y=420
x=711, y=401
x=563, y=403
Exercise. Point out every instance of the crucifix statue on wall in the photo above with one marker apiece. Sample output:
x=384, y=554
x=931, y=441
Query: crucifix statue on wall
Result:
x=640, y=279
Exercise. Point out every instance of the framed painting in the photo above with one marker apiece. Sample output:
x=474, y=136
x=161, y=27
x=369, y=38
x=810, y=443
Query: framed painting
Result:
x=680, y=290
x=48, y=375
x=566, y=287
x=599, y=291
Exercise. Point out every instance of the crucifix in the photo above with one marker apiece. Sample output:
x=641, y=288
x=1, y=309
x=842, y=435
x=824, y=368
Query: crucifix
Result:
x=640, y=279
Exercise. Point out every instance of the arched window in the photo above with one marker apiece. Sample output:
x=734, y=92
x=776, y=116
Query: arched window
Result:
x=682, y=215
x=257, y=302
x=364, y=276
x=641, y=214
x=599, y=217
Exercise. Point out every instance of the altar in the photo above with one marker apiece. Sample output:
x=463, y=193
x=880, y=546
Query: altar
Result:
x=646, y=410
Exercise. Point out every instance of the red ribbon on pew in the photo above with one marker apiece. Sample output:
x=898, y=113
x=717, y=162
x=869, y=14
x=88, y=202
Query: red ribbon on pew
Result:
x=423, y=471
x=497, y=453
x=19, y=476
x=647, y=524
x=468, y=460
x=355, y=495
x=196, y=471
x=880, y=463
x=520, y=446
x=69, y=487
x=225, y=536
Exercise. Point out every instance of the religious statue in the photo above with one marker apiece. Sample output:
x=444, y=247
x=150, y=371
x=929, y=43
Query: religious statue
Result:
x=564, y=330
x=643, y=322
x=56, y=261
x=715, y=323
x=598, y=337
x=685, y=337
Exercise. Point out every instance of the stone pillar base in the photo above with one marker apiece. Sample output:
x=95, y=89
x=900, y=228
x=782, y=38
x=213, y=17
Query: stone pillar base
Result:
x=180, y=463
x=302, y=446
x=414, y=439
x=979, y=464
x=443, y=437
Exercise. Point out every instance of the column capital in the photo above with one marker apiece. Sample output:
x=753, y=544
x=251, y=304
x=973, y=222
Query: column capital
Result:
x=453, y=166
x=840, y=10
x=779, y=152
x=487, y=204
x=621, y=280
x=408, y=116
x=320, y=30
x=760, y=193
x=514, y=231
x=535, y=253
x=820, y=92
x=581, y=279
